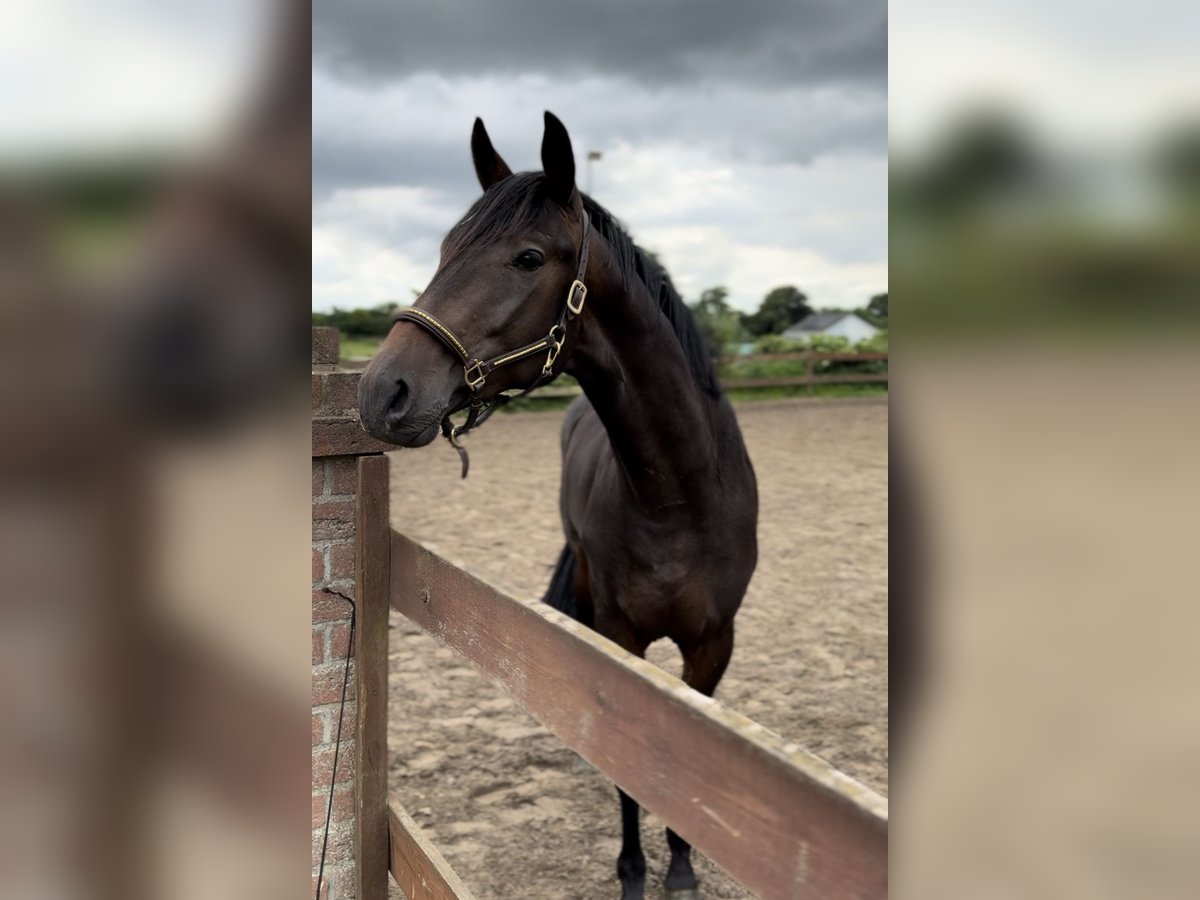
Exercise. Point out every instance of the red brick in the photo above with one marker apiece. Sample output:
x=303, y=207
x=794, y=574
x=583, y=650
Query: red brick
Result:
x=343, y=807
x=332, y=520
x=322, y=760
x=326, y=886
x=339, y=641
x=328, y=607
x=327, y=681
x=318, y=564
x=340, y=848
x=318, y=646
x=318, y=728
x=333, y=509
x=325, y=345
x=318, y=477
x=341, y=392
x=341, y=561
x=334, y=394
x=343, y=477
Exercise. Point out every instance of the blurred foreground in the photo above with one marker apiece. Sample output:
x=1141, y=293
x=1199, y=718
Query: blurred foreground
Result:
x=1045, y=213
x=153, y=269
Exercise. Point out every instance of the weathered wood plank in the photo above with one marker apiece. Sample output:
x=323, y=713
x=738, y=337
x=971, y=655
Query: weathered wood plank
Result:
x=415, y=863
x=783, y=822
x=373, y=563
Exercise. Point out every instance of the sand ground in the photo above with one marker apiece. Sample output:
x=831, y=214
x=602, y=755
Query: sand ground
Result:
x=517, y=814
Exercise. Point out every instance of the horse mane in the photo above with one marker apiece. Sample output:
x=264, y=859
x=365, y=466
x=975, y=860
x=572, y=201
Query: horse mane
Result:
x=513, y=204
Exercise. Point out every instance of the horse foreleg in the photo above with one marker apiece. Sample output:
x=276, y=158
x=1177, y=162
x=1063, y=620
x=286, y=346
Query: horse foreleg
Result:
x=703, y=666
x=631, y=864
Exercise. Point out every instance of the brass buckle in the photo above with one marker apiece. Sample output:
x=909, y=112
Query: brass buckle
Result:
x=578, y=289
x=477, y=382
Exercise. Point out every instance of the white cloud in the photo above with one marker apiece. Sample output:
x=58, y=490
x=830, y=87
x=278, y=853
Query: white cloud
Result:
x=750, y=227
x=371, y=245
x=749, y=188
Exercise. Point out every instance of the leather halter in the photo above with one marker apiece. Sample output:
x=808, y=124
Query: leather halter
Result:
x=476, y=370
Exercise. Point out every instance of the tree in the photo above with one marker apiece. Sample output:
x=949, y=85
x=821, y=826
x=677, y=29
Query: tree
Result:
x=374, y=322
x=986, y=156
x=1176, y=162
x=780, y=309
x=719, y=324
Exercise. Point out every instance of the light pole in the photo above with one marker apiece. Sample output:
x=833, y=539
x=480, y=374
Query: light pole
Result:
x=592, y=156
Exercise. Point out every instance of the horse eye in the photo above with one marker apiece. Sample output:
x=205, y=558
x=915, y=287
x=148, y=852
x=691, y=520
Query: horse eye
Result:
x=528, y=261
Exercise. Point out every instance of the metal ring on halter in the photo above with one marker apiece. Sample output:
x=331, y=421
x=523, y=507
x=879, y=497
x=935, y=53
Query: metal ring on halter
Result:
x=481, y=377
x=556, y=344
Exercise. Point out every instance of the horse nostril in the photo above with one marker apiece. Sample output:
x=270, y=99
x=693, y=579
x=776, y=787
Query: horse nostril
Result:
x=399, y=404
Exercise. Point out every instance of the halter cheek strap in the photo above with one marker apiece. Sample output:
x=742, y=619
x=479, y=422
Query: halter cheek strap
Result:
x=476, y=370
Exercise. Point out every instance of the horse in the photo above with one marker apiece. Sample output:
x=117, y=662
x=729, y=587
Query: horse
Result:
x=658, y=499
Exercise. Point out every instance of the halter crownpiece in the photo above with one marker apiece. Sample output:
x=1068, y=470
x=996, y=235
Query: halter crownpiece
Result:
x=476, y=370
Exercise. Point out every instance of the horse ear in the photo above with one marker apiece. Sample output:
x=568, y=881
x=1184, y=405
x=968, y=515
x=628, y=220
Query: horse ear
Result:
x=558, y=160
x=488, y=165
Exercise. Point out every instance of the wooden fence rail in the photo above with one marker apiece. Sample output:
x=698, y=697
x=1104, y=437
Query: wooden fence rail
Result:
x=808, y=356
x=781, y=821
x=811, y=378
x=416, y=864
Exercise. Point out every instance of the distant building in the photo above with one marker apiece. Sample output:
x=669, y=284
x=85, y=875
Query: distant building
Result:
x=839, y=324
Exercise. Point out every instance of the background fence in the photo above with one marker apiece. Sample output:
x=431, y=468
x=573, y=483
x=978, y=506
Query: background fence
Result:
x=819, y=368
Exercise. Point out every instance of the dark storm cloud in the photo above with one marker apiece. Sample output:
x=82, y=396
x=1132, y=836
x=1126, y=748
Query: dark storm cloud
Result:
x=744, y=140
x=438, y=165
x=769, y=42
x=416, y=130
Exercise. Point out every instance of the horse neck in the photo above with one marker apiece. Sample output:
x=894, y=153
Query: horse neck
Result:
x=630, y=364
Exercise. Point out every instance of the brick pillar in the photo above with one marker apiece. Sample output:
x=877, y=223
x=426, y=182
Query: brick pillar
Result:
x=338, y=444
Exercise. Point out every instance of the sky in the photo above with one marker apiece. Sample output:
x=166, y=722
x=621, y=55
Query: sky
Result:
x=746, y=144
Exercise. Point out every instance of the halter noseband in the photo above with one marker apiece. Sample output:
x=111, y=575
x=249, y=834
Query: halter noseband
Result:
x=476, y=370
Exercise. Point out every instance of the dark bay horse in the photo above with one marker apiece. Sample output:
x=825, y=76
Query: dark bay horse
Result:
x=659, y=501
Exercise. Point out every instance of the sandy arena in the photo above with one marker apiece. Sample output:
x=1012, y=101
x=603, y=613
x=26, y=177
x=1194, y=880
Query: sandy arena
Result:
x=519, y=816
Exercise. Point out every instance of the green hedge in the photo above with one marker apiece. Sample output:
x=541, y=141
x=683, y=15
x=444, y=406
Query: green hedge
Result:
x=782, y=368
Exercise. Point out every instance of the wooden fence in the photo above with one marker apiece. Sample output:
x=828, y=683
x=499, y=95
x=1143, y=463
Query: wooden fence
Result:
x=776, y=818
x=812, y=377
x=779, y=820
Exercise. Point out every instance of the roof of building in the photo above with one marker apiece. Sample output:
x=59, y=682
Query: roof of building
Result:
x=819, y=321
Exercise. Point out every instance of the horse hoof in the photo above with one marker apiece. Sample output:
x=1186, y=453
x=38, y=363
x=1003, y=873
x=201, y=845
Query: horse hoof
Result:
x=681, y=894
